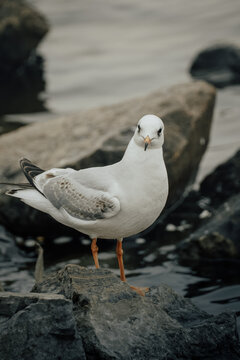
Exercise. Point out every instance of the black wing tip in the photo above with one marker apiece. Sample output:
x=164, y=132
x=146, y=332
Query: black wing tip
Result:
x=30, y=171
x=23, y=161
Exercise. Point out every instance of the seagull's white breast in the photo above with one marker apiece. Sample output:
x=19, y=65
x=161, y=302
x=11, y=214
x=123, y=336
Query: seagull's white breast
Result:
x=142, y=188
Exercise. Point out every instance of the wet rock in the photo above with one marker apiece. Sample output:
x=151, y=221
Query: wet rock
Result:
x=219, y=65
x=214, y=211
x=223, y=182
x=218, y=238
x=21, y=68
x=15, y=273
x=116, y=323
x=38, y=326
x=99, y=137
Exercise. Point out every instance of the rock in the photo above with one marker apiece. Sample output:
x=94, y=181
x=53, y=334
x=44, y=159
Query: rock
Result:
x=219, y=65
x=15, y=265
x=211, y=215
x=223, y=182
x=21, y=30
x=99, y=137
x=38, y=326
x=116, y=323
x=218, y=238
x=21, y=68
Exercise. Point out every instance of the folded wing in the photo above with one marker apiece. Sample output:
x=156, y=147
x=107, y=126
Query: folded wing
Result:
x=78, y=200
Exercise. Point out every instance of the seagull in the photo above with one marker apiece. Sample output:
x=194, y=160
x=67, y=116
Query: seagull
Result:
x=109, y=202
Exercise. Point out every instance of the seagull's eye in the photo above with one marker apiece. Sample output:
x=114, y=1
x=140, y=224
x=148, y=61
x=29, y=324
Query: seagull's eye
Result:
x=139, y=128
x=159, y=131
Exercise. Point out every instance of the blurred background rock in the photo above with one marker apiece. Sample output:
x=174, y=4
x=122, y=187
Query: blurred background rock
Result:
x=21, y=67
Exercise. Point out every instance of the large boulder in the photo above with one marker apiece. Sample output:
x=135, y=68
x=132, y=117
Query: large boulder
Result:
x=114, y=322
x=99, y=137
x=21, y=68
x=216, y=208
x=223, y=182
x=219, y=65
x=216, y=239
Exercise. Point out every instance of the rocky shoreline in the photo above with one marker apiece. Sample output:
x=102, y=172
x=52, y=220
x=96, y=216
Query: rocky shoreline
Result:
x=90, y=314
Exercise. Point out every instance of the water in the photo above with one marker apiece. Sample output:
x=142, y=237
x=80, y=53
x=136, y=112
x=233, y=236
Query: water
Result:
x=97, y=55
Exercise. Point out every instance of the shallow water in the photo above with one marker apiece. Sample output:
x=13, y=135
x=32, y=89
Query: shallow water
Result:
x=97, y=55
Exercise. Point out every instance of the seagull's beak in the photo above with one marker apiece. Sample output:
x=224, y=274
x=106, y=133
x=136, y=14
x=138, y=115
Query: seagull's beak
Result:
x=147, y=141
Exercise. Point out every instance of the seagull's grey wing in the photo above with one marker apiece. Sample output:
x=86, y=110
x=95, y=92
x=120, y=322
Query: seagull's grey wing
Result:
x=79, y=200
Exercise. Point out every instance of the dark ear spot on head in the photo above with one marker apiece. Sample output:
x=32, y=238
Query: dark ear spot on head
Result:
x=159, y=131
x=139, y=128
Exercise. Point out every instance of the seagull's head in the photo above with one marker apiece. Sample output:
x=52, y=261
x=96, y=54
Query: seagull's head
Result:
x=149, y=133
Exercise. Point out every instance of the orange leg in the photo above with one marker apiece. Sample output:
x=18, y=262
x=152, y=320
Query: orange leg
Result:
x=94, y=249
x=140, y=290
x=119, y=252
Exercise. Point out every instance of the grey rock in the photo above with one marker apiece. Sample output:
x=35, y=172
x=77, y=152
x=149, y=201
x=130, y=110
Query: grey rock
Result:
x=15, y=265
x=21, y=68
x=218, y=238
x=21, y=29
x=99, y=137
x=223, y=182
x=219, y=65
x=116, y=323
x=38, y=326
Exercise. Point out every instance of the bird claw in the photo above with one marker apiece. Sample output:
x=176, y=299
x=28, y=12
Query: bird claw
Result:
x=140, y=290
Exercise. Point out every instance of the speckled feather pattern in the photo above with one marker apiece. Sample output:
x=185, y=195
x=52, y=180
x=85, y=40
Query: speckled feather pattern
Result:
x=78, y=200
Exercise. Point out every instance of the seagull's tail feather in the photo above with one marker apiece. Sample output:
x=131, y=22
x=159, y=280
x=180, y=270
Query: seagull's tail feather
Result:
x=31, y=196
x=30, y=170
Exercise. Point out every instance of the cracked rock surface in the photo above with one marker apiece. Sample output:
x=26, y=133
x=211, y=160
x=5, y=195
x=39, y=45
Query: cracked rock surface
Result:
x=116, y=323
